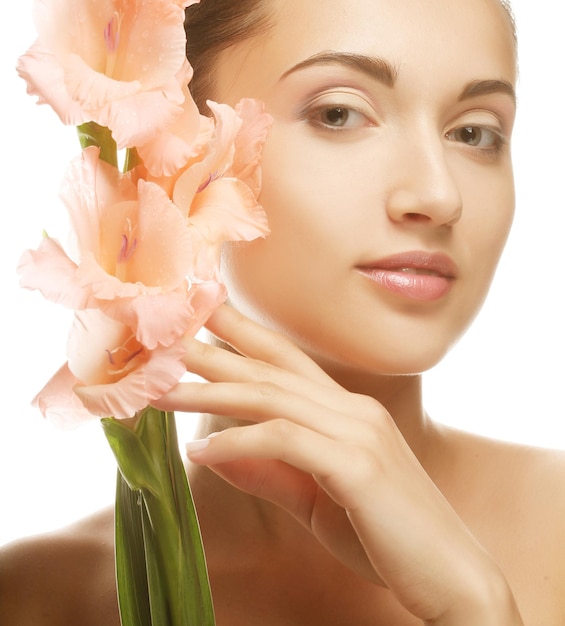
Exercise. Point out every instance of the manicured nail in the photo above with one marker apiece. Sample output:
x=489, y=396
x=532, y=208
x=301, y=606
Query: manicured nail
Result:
x=196, y=445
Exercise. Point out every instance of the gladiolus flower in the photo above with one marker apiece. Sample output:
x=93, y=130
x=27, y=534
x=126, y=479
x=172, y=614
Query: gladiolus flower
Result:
x=119, y=63
x=108, y=372
x=220, y=206
x=184, y=141
x=144, y=265
x=135, y=251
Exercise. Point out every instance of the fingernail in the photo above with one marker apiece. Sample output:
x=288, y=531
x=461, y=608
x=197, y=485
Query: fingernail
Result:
x=197, y=445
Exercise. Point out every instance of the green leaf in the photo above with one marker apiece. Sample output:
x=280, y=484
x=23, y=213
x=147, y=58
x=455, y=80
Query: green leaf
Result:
x=131, y=577
x=132, y=159
x=92, y=134
x=135, y=463
x=158, y=597
x=198, y=602
x=174, y=523
x=161, y=556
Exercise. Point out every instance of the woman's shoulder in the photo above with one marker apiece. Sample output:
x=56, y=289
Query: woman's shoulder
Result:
x=59, y=578
x=512, y=498
x=527, y=464
x=506, y=471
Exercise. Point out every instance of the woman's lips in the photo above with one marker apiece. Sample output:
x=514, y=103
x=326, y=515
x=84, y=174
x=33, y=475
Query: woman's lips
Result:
x=414, y=275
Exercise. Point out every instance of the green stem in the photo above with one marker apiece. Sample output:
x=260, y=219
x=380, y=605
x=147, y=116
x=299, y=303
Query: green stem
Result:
x=164, y=523
x=173, y=519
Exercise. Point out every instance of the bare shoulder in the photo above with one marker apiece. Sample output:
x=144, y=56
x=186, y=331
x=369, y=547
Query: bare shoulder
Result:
x=60, y=578
x=517, y=483
x=520, y=470
x=512, y=497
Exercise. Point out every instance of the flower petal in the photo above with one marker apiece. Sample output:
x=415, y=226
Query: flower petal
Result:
x=137, y=390
x=90, y=185
x=116, y=375
x=45, y=79
x=58, y=403
x=134, y=120
x=52, y=272
x=114, y=63
x=144, y=244
x=159, y=319
x=249, y=143
x=205, y=298
x=227, y=210
x=183, y=140
x=218, y=159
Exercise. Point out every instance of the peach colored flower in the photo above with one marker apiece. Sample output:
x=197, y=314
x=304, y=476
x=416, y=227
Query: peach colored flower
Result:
x=210, y=166
x=219, y=206
x=109, y=372
x=249, y=143
x=134, y=251
x=120, y=63
x=49, y=268
x=143, y=265
x=184, y=141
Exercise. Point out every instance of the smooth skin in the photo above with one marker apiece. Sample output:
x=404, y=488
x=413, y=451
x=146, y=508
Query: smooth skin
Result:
x=350, y=506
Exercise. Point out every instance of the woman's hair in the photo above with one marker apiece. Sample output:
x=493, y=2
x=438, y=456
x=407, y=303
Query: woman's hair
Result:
x=214, y=25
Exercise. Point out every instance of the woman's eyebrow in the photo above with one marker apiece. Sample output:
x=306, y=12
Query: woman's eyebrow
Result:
x=478, y=88
x=381, y=70
x=375, y=67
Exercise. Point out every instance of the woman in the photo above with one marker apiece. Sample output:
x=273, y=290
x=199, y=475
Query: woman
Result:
x=388, y=185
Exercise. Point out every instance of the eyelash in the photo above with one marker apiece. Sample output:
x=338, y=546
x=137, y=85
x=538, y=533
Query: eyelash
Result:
x=498, y=143
x=495, y=148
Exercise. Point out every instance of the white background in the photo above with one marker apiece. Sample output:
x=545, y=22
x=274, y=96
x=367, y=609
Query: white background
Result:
x=504, y=379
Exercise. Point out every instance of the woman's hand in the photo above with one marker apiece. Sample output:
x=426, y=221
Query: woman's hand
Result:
x=336, y=461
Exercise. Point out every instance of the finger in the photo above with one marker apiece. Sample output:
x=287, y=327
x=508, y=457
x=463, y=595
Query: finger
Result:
x=260, y=343
x=260, y=402
x=218, y=365
x=215, y=364
x=332, y=463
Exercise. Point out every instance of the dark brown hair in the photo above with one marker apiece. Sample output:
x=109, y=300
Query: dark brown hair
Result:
x=214, y=25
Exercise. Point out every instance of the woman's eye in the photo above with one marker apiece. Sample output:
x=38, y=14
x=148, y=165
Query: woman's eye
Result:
x=477, y=137
x=338, y=117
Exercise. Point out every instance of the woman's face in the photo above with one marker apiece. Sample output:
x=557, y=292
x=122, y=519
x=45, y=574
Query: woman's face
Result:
x=387, y=175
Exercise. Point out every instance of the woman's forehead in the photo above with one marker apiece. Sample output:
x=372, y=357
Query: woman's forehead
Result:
x=473, y=37
x=372, y=22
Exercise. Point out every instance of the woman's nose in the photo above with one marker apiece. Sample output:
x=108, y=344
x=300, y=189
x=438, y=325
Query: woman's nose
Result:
x=423, y=188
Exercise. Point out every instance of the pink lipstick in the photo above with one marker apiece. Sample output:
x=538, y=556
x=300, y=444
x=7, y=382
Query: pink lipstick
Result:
x=414, y=275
